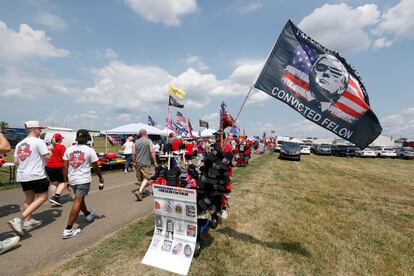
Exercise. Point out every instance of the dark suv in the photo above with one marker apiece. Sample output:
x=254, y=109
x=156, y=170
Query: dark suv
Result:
x=343, y=150
x=290, y=150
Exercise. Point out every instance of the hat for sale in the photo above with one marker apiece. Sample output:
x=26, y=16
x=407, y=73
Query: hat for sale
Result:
x=83, y=136
x=33, y=124
x=58, y=137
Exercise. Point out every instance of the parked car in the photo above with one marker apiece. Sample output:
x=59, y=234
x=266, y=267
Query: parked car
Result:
x=14, y=135
x=322, y=149
x=405, y=153
x=290, y=150
x=367, y=152
x=343, y=150
x=386, y=152
x=305, y=149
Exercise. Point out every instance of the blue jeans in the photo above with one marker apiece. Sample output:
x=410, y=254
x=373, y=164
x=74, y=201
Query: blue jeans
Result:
x=128, y=158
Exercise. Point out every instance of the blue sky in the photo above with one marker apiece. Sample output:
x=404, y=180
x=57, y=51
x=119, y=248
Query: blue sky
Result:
x=100, y=64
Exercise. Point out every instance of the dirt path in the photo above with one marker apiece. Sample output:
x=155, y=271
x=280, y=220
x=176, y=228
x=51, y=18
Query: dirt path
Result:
x=43, y=246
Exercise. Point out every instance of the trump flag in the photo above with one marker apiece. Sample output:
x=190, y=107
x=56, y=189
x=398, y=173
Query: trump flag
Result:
x=321, y=85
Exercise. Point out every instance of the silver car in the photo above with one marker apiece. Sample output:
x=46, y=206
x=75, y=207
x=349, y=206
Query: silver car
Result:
x=406, y=153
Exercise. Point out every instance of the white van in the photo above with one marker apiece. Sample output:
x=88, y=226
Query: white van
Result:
x=69, y=137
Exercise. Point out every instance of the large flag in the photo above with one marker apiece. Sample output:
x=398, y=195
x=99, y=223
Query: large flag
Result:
x=203, y=123
x=151, y=122
x=319, y=84
x=177, y=92
x=181, y=120
x=226, y=120
x=174, y=102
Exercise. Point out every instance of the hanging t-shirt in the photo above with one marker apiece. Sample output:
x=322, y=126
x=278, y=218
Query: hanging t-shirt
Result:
x=30, y=153
x=56, y=161
x=80, y=158
x=128, y=147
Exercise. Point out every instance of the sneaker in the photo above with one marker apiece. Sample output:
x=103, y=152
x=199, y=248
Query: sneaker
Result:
x=17, y=225
x=55, y=200
x=8, y=244
x=91, y=217
x=32, y=223
x=138, y=195
x=224, y=214
x=125, y=171
x=69, y=233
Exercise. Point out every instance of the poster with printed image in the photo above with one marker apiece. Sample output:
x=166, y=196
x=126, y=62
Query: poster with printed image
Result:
x=175, y=230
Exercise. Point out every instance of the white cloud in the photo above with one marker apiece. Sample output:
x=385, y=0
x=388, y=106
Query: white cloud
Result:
x=51, y=21
x=15, y=82
x=245, y=6
x=398, y=20
x=161, y=11
x=341, y=27
x=400, y=124
x=258, y=98
x=26, y=43
x=130, y=87
x=14, y=92
x=381, y=43
x=195, y=61
x=111, y=54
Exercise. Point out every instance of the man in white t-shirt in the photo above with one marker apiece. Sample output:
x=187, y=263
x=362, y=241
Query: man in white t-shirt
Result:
x=29, y=156
x=129, y=144
x=77, y=175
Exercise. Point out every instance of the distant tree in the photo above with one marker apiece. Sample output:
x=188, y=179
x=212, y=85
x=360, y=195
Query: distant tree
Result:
x=4, y=125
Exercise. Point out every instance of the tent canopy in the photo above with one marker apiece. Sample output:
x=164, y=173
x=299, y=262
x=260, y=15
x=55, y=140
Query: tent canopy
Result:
x=208, y=132
x=134, y=129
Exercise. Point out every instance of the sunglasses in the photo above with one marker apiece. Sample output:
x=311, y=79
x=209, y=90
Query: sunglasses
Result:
x=323, y=68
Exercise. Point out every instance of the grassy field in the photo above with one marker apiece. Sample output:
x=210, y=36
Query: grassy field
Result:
x=322, y=215
x=99, y=146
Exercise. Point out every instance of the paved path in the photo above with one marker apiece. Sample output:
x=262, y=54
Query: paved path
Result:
x=44, y=246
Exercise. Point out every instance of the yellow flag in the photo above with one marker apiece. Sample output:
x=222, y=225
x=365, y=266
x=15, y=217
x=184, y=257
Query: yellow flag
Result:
x=177, y=92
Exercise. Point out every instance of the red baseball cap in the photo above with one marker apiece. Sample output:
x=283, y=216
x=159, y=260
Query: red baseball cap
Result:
x=58, y=137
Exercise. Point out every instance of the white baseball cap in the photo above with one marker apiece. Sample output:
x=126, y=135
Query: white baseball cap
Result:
x=33, y=124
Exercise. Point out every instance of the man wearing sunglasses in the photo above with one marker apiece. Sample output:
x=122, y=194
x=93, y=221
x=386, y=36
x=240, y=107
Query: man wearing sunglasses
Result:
x=328, y=79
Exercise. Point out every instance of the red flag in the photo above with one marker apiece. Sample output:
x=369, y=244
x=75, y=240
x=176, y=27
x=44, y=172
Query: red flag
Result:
x=226, y=120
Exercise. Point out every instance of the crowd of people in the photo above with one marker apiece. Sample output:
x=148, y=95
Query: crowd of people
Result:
x=44, y=169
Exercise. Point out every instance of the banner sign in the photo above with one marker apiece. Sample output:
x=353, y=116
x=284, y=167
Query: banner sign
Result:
x=319, y=84
x=175, y=234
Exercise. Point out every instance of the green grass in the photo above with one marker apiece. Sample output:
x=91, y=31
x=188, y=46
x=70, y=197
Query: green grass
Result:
x=322, y=215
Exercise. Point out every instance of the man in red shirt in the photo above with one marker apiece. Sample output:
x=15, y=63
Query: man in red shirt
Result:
x=175, y=145
x=54, y=169
x=189, y=151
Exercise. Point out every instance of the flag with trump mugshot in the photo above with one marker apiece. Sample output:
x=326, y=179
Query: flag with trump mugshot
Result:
x=321, y=85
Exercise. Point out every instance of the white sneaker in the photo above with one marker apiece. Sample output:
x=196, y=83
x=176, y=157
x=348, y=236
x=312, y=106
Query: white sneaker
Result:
x=8, y=244
x=125, y=171
x=224, y=214
x=17, y=225
x=91, y=217
x=69, y=233
x=32, y=223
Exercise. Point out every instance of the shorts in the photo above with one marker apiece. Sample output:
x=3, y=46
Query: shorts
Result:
x=55, y=174
x=143, y=172
x=81, y=190
x=38, y=186
x=188, y=157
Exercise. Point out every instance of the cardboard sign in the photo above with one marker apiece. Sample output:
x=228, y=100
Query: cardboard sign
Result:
x=175, y=234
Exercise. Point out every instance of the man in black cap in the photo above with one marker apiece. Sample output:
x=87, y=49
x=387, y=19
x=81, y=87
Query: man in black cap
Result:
x=77, y=175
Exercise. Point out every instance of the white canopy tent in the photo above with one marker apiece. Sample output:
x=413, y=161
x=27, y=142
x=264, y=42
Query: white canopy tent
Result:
x=207, y=133
x=167, y=131
x=134, y=129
